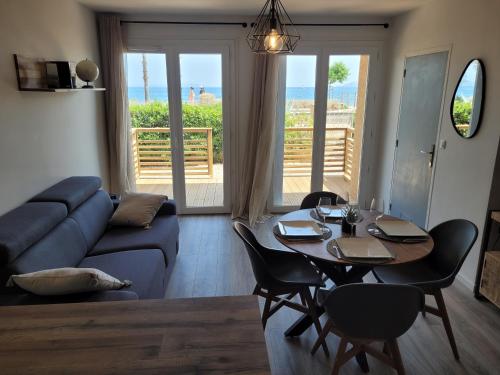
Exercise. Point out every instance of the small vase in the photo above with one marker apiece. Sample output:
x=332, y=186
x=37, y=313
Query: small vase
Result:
x=347, y=228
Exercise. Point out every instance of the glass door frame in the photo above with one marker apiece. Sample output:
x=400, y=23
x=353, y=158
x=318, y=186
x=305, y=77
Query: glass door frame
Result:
x=323, y=51
x=172, y=51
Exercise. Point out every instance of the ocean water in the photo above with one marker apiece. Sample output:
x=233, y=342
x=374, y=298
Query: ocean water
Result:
x=346, y=95
x=343, y=94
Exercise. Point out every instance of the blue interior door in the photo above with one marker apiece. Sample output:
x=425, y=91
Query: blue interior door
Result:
x=418, y=124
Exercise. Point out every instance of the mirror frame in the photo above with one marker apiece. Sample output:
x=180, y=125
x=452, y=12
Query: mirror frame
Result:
x=483, y=90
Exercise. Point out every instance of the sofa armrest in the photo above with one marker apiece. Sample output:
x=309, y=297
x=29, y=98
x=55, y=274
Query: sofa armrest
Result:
x=167, y=208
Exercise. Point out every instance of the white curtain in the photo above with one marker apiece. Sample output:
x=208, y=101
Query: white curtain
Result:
x=121, y=169
x=258, y=159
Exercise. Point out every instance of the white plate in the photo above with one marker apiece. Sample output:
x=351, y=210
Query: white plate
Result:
x=400, y=228
x=299, y=228
x=335, y=213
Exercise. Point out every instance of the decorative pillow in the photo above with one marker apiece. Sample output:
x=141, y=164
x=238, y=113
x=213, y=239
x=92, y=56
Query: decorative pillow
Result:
x=137, y=210
x=60, y=281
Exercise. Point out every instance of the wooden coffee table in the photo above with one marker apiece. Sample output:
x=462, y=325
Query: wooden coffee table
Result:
x=179, y=336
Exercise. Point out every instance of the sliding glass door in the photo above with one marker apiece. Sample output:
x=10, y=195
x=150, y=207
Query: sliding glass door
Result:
x=179, y=118
x=321, y=115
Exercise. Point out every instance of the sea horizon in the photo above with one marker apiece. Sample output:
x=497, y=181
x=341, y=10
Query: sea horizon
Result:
x=342, y=94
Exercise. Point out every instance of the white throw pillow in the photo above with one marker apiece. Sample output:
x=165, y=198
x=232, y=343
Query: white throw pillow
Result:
x=137, y=210
x=60, y=281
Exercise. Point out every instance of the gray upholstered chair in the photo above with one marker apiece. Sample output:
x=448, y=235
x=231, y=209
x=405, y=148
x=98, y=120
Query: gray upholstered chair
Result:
x=364, y=313
x=279, y=273
x=452, y=242
x=311, y=200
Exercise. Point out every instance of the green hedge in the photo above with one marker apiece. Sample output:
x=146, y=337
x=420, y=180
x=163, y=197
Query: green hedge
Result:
x=155, y=115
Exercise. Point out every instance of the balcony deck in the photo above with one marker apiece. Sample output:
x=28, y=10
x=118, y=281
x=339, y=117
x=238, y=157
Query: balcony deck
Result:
x=206, y=191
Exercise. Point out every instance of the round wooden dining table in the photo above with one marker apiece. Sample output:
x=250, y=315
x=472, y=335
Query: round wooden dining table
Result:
x=317, y=250
x=342, y=271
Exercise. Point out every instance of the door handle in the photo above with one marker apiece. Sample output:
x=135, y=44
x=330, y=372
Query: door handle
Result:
x=431, y=155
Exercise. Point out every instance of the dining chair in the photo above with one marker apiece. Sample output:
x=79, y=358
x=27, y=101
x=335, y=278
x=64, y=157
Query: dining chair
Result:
x=361, y=314
x=452, y=242
x=311, y=200
x=279, y=273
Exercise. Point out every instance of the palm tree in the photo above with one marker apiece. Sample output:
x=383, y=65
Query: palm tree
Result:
x=337, y=72
x=145, y=77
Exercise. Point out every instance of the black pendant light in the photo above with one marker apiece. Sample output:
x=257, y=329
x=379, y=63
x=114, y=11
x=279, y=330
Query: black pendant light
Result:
x=273, y=31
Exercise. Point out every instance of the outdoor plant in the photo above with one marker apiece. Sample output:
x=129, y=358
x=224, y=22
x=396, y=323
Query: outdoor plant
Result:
x=155, y=115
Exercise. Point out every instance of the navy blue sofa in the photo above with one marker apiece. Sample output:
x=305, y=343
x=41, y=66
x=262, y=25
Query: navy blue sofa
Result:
x=67, y=226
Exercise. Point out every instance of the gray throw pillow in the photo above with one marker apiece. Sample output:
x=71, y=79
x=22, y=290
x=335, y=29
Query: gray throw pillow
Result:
x=137, y=210
x=61, y=281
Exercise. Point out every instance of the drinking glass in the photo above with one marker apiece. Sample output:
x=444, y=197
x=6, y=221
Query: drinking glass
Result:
x=324, y=209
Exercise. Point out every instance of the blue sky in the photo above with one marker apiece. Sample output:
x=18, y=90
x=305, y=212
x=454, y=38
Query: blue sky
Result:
x=205, y=70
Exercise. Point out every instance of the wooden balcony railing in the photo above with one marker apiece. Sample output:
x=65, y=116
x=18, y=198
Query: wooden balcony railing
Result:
x=339, y=151
x=153, y=152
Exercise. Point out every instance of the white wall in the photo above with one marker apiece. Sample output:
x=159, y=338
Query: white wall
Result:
x=464, y=169
x=45, y=137
x=154, y=36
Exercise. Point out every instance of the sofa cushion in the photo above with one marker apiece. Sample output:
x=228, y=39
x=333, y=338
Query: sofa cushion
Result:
x=144, y=268
x=162, y=234
x=66, y=280
x=92, y=216
x=72, y=191
x=64, y=246
x=26, y=224
x=137, y=210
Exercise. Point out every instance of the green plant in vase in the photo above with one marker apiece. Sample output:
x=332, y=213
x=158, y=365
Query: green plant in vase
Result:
x=351, y=216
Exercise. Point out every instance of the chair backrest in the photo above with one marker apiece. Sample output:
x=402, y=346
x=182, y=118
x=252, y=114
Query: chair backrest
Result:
x=311, y=200
x=374, y=311
x=452, y=242
x=254, y=250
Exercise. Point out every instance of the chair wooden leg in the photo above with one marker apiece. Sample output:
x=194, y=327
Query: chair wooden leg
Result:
x=256, y=290
x=438, y=295
x=312, y=312
x=322, y=336
x=340, y=356
x=396, y=356
x=265, y=313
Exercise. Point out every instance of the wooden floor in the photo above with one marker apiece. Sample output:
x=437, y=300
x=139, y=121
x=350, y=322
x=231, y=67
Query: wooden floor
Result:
x=205, y=191
x=212, y=262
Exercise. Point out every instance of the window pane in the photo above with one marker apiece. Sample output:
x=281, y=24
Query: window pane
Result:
x=298, y=129
x=201, y=85
x=148, y=106
x=347, y=79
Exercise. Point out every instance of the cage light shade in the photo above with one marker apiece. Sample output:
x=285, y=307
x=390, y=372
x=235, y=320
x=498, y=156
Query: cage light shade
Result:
x=273, y=30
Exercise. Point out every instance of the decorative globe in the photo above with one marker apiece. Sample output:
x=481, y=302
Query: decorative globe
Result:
x=87, y=71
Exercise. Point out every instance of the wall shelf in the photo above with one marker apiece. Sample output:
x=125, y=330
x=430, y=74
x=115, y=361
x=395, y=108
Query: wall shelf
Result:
x=32, y=76
x=62, y=90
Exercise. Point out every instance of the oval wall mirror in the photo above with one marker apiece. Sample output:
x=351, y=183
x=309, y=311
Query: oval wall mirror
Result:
x=467, y=103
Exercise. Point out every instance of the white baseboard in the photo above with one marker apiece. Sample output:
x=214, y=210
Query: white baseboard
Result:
x=466, y=281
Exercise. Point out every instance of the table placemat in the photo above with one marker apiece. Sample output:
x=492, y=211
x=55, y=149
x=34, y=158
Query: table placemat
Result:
x=325, y=236
x=373, y=230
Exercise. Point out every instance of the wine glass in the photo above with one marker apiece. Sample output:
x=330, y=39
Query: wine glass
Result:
x=339, y=201
x=382, y=212
x=324, y=209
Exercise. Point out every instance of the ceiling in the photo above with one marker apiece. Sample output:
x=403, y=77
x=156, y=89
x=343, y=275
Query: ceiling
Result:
x=251, y=7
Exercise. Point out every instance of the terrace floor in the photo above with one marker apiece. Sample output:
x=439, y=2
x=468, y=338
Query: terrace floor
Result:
x=206, y=191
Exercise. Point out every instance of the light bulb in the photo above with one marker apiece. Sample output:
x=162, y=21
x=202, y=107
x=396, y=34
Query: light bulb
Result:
x=273, y=42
